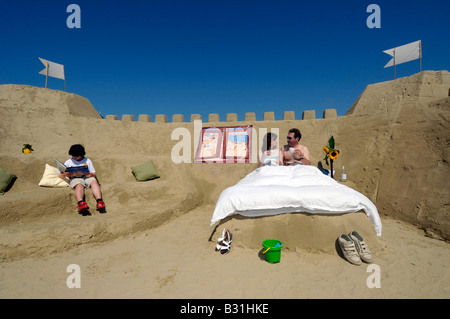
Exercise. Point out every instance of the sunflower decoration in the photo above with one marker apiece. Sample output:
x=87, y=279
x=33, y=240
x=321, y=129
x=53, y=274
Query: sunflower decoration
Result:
x=330, y=152
x=27, y=149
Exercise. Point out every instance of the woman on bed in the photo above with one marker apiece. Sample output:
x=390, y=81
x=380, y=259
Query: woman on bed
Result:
x=270, y=154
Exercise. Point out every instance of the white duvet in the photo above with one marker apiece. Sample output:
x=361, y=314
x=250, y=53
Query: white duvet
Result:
x=272, y=190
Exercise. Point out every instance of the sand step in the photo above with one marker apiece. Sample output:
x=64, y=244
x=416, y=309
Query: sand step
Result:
x=51, y=233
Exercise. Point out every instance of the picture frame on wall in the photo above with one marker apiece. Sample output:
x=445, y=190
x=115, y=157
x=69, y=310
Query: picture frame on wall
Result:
x=231, y=144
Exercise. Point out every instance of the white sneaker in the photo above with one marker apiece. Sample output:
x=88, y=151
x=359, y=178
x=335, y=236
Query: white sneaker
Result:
x=220, y=240
x=348, y=249
x=361, y=247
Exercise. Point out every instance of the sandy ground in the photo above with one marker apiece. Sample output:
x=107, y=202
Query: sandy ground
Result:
x=176, y=260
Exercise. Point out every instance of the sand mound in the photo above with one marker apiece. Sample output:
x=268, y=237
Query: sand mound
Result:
x=313, y=233
x=407, y=151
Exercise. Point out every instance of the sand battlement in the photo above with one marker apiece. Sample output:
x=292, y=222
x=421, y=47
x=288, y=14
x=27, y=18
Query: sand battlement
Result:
x=231, y=117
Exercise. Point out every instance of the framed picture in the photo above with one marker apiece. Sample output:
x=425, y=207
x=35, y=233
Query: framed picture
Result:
x=231, y=144
x=210, y=146
x=237, y=144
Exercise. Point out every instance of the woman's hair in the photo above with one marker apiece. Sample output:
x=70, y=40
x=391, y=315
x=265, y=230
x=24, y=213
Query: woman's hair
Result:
x=268, y=140
x=77, y=150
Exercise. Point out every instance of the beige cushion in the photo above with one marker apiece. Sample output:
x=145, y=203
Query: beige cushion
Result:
x=51, y=179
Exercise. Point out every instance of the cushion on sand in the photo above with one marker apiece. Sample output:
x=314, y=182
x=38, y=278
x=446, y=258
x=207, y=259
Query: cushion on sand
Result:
x=5, y=179
x=51, y=179
x=145, y=171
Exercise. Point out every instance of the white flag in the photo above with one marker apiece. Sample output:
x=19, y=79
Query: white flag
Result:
x=404, y=53
x=54, y=69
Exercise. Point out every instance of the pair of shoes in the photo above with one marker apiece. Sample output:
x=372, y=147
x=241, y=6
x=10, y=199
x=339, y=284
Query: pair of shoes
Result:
x=354, y=248
x=101, y=206
x=224, y=242
x=361, y=247
x=82, y=206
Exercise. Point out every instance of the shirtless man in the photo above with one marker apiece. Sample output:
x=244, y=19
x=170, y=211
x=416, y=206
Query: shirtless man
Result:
x=301, y=154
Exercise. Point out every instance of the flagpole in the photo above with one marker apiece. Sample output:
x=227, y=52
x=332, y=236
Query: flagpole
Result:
x=420, y=52
x=394, y=65
x=64, y=74
x=46, y=76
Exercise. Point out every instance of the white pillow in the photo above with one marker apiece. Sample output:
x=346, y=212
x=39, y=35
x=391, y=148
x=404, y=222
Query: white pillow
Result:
x=51, y=179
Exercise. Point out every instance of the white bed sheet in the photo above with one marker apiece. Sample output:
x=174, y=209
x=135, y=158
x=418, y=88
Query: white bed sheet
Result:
x=272, y=190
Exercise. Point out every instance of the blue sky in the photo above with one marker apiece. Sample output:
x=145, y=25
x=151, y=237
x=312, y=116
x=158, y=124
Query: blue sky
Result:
x=218, y=56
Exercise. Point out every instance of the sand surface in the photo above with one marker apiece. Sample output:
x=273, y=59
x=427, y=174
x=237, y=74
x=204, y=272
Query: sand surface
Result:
x=176, y=260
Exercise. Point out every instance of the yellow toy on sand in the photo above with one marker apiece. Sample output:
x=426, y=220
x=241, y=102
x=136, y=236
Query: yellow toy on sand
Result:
x=27, y=149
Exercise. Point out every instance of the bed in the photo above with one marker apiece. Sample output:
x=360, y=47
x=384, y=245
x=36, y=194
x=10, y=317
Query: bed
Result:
x=272, y=190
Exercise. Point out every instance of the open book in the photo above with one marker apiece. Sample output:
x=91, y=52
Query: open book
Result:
x=62, y=168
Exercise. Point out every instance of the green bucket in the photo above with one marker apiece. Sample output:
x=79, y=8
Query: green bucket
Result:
x=272, y=250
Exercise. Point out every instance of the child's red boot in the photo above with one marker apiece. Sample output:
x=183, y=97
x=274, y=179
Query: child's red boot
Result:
x=101, y=206
x=82, y=206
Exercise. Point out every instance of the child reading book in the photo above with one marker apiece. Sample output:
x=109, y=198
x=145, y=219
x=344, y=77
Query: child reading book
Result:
x=82, y=175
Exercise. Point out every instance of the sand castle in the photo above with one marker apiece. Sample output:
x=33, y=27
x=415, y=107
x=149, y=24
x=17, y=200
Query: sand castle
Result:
x=394, y=143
